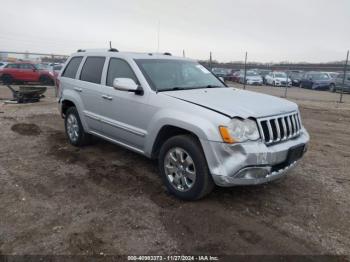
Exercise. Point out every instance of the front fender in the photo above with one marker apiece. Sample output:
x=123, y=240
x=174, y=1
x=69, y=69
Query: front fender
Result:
x=200, y=126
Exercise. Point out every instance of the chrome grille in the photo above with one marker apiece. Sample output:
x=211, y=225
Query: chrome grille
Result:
x=279, y=128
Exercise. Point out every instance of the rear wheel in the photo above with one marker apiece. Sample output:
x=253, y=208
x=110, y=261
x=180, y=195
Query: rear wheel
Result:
x=7, y=79
x=184, y=168
x=74, y=129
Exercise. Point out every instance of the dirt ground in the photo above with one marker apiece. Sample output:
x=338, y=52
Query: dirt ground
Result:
x=58, y=199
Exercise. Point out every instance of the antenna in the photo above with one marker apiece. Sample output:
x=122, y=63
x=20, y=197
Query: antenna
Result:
x=158, y=35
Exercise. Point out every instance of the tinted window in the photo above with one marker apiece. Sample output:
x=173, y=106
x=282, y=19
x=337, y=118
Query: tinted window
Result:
x=119, y=68
x=12, y=66
x=92, y=69
x=72, y=67
x=26, y=66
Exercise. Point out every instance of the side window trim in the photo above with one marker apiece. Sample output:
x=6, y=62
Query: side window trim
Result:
x=127, y=63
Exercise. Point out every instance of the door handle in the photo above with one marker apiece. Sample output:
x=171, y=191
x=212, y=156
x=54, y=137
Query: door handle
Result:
x=107, y=97
x=78, y=89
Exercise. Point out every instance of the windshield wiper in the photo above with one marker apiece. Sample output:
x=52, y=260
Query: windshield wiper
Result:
x=209, y=86
x=175, y=88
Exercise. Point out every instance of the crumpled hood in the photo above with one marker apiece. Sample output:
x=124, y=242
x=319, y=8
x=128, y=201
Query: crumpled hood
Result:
x=235, y=102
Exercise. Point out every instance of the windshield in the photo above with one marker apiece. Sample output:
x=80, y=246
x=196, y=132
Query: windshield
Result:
x=164, y=74
x=280, y=75
x=252, y=73
x=43, y=67
x=320, y=76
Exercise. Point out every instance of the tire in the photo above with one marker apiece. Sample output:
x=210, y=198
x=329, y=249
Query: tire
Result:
x=196, y=181
x=273, y=83
x=74, y=129
x=332, y=88
x=7, y=79
x=46, y=80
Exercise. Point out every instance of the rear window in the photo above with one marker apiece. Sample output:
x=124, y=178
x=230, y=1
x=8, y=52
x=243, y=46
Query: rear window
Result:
x=92, y=69
x=72, y=67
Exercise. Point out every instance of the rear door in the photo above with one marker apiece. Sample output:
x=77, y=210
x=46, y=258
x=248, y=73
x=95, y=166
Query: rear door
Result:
x=89, y=87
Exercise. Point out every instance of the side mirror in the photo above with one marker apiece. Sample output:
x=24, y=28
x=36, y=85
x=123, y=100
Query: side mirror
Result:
x=126, y=84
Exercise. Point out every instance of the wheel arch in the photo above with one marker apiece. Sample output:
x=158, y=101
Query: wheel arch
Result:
x=166, y=132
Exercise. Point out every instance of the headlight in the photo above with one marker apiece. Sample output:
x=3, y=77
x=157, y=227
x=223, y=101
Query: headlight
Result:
x=239, y=131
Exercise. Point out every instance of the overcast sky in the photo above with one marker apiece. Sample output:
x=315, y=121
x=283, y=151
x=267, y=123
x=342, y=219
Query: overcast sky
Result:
x=270, y=30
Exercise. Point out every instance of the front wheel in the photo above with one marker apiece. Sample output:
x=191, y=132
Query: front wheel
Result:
x=332, y=88
x=184, y=169
x=74, y=129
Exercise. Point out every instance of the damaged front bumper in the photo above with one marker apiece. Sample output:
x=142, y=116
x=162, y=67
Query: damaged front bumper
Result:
x=252, y=163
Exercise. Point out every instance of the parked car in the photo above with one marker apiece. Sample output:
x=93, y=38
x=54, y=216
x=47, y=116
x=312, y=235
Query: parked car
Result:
x=263, y=73
x=25, y=72
x=3, y=64
x=56, y=69
x=278, y=79
x=252, y=78
x=221, y=72
x=173, y=109
x=332, y=75
x=236, y=76
x=339, y=83
x=295, y=77
x=317, y=81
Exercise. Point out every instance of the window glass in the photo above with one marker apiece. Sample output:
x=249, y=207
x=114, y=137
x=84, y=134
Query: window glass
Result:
x=72, y=67
x=12, y=66
x=26, y=66
x=119, y=68
x=92, y=69
x=164, y=74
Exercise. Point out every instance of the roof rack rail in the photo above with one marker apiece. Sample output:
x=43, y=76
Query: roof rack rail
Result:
x=113, y=50
x=80, y=50
x=167, y=53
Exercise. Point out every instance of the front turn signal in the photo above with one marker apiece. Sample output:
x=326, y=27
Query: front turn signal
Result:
x=225, y=134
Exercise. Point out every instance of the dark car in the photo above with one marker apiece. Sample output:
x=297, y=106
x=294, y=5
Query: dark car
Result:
x=295, y=77
x=339, y=83
x=263, y=73
x=316, y=81
x=221, y=72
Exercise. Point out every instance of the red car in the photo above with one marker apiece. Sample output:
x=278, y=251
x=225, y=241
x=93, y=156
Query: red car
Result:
x=25, y=72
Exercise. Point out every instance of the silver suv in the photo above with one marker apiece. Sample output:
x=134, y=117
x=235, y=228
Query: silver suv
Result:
x=173, y=109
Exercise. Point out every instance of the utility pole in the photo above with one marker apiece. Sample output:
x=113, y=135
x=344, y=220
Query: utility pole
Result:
x=345, y=69
x=245, y=69
x=210, y=62
x=183, y=53
x=286, y=87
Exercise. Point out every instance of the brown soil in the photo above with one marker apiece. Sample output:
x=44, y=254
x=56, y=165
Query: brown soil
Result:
x=58, y=199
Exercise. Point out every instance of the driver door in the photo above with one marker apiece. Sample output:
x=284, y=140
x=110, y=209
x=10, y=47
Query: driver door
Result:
x=125, y=114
